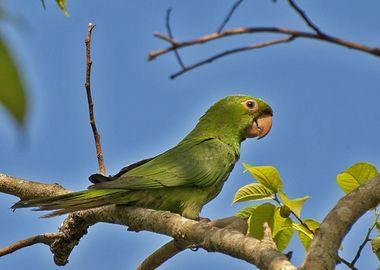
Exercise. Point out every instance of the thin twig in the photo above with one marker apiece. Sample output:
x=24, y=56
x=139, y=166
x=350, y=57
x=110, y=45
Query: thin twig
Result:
x=225, y=53
x=229, y=15
x=252, y=30
x=342, y=260
x=347, y=263
x=46, y=238
x=168, y=28
x=98, y=146
x=305, y=18
x=366, y=239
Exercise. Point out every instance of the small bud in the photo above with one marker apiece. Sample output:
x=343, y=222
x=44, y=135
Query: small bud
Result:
x=285, y=211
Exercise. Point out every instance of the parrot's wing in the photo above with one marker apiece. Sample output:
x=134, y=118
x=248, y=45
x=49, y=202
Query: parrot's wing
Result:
x=196, y=162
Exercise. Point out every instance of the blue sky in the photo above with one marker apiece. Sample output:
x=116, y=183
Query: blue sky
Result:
x=325, y=99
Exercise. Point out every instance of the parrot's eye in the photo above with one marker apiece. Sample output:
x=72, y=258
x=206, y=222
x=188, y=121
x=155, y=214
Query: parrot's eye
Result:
x=250, y=104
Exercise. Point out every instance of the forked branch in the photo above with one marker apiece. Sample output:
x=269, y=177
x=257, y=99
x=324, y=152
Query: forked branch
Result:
x=290, y=35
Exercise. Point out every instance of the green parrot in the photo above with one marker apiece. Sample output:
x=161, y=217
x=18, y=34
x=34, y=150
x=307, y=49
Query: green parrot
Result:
x=185, y=177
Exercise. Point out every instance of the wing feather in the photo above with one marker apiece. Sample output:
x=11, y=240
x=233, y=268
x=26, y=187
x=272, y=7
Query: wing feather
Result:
x=197, y=162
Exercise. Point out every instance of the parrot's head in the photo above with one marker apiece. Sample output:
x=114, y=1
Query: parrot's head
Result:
x=238, y=116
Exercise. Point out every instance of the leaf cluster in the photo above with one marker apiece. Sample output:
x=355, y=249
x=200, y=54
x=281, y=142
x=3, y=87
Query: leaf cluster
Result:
x=283, y=214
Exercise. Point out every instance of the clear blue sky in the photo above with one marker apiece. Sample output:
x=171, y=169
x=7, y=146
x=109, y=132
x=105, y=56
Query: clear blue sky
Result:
x=325, y=98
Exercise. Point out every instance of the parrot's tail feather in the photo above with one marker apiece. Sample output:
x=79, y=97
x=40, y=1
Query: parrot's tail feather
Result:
x=71, y=202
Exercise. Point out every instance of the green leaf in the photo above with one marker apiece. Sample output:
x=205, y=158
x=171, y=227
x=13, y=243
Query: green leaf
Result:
x=246, y=212
x=378, y=226
x=356, y=175
x=263, y=213
x=12, y=93
x=295, y=205
x=283, y=237
x=266, y=175
x=62, y=6
x=375, y=243
x=282, y=230
x=304, y=234
x=252, y=192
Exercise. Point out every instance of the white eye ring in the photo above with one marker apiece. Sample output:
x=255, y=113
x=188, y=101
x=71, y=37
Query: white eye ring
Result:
x=250, y=104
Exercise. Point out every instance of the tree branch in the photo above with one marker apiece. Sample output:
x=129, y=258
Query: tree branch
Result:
x=322, y=252
x=174, y=247
x=227, y=240
x=161, y=255
x=46, y=238
x=233, y=51
x=253, y=30
x=316, y=34
x=27, y=190
x=98, y=145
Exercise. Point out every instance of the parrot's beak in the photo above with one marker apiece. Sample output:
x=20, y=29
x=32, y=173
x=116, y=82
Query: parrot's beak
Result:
x=264, y=125
x=260, y=127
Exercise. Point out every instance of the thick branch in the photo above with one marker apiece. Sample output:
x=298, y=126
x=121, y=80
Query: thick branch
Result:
x=27, y=190
x=322, y=253
x=228, y=241
x=252, y=30
x=174, y=247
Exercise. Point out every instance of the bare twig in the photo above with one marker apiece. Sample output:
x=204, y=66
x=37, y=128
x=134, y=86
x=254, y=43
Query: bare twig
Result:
x=305, y=18
x=229, y=15
x=236, y=50
x=46, y=238
x=99, y=152
x=366, y=239
x=252, y=30
x=168, y=28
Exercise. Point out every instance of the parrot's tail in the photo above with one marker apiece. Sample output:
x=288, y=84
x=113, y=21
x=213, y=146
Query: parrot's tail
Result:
x=71, y=202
